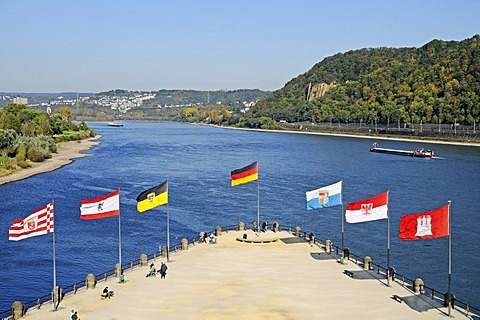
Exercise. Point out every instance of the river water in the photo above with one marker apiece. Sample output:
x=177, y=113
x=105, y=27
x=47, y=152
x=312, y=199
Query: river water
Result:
x=197, y=161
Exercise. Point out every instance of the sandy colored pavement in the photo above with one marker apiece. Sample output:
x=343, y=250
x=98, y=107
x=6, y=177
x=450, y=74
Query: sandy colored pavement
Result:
x=285, y=279
x=66, y=152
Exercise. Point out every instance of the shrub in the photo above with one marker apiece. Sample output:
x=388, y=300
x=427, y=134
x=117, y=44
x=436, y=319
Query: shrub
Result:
x=42, y=147
x=37, y=154
x=24, y=164
x=74, y=135
x=6, y=161
x=7, y=138
x=21, y=154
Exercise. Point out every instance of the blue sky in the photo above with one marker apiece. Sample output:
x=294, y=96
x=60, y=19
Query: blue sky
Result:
x=93, y=46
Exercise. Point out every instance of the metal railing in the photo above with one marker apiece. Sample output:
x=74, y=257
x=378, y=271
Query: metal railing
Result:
x=467, y=309
x=38, y=302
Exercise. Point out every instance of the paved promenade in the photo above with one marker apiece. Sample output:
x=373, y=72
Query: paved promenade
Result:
x=284, y=279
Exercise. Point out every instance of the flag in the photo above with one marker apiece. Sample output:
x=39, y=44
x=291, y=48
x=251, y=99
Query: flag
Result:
x=101, y=207
x=431, y=224
x=36, y=223
x=153, y=197
x=374, y=208
x=245, y=174
x=324, y=197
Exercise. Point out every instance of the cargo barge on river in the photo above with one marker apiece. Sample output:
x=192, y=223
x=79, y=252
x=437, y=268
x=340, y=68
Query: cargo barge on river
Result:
x=419, y=152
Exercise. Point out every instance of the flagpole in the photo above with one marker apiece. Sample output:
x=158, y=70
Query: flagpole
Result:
x=119, y=244
x=55, y=293
x=258, y=203
x=449, y=259
x=388, y=243
x=343, y=218
x=168, y=233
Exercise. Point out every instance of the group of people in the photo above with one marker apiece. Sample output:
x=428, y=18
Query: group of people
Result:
x=107, y=293
x=264, y=226
x=153, y=271
x=74, y=315
x=211, y=238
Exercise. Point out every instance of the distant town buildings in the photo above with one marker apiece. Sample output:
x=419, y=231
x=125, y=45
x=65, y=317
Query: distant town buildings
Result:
x=121, y=103
x=20, y=100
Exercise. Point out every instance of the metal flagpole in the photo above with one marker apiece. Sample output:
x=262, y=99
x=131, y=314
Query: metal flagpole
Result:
x=388, y=247
x=168, y=228
x=55, y=293
x=388, y=242
x=258, y=203
x=343, y=218
x=168, y=233
x=449, y=259
x=119, y=244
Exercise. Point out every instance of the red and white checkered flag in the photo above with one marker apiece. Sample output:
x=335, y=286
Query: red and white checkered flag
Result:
x=36, y=223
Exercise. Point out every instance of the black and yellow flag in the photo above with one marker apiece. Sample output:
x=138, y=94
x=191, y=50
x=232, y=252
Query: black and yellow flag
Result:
x=153, y=197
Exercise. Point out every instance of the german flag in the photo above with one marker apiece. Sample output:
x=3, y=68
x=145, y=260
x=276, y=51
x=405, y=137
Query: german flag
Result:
x=245, y=174
x=153, y=197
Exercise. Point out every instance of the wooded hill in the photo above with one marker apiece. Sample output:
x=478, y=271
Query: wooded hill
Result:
x=436, y=83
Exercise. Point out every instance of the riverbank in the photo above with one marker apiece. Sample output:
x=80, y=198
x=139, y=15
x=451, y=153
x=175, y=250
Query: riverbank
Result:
x=66, y=153
x=425, y=140
x=284, y=279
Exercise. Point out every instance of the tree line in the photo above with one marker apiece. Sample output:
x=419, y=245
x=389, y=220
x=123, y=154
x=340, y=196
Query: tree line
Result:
x=27, y=135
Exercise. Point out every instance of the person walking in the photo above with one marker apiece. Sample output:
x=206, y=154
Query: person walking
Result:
x=163, y=270
x=75, y=316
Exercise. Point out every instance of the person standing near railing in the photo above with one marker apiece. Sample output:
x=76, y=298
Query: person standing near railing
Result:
x=163, y=270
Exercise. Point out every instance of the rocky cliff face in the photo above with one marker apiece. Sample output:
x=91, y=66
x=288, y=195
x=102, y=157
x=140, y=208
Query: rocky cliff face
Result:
x=318, y=90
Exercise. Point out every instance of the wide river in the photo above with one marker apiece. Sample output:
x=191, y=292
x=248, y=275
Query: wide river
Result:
x=197, y=161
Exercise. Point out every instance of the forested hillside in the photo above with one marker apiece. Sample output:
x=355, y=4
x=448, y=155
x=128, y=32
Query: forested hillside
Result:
x=436, y=83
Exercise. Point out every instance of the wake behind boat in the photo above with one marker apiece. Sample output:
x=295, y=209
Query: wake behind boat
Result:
x=419, y=152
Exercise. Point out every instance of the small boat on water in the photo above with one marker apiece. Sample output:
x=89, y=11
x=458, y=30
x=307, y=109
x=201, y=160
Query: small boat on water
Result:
x=115, y=124
x=419, y=152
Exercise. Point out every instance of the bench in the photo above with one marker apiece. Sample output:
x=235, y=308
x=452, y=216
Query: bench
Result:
x=348, y=273
x=397, y=298
x=256, y=240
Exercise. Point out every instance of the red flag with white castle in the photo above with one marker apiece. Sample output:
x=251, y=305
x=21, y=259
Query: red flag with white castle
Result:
x=370, y=209
x=36, y=223
x=431, y=224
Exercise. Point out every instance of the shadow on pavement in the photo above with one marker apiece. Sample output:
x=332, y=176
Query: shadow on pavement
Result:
x=418, y=303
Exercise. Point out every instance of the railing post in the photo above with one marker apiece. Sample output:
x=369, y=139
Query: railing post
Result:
x=90, y=281
x=18, y=310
